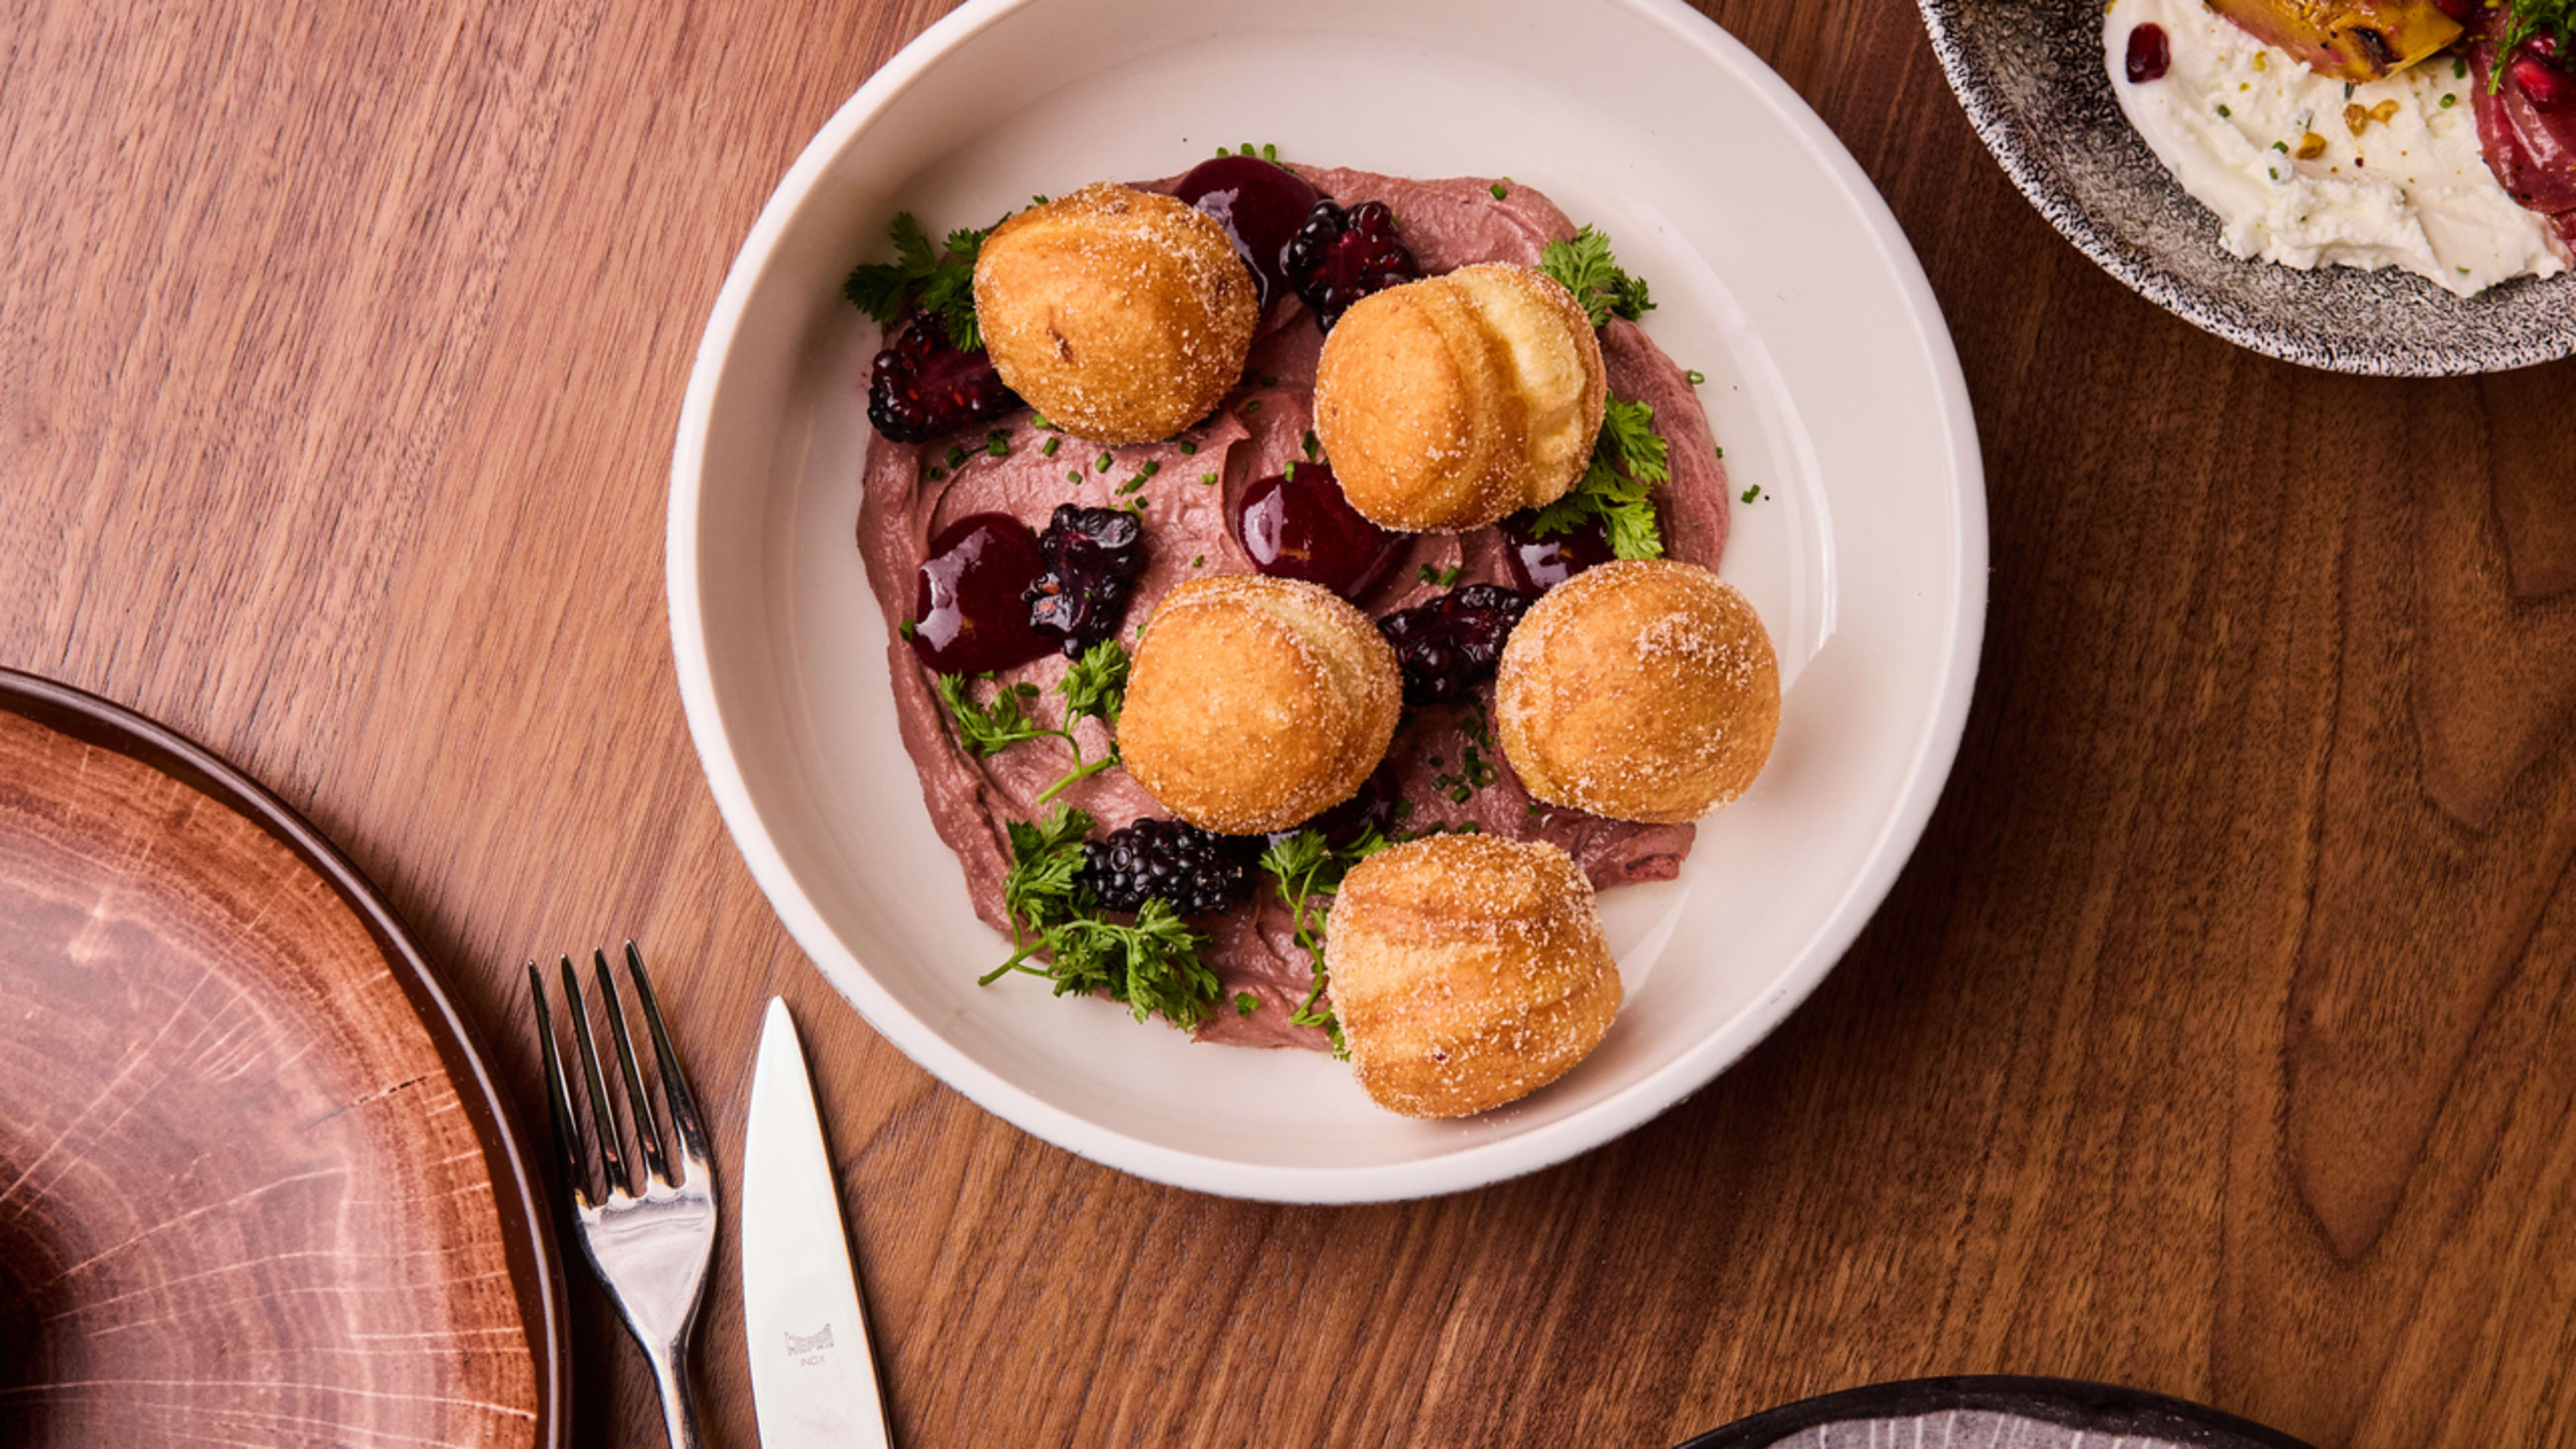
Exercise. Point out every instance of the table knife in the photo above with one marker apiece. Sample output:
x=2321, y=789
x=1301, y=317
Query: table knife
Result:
x=813, y=1381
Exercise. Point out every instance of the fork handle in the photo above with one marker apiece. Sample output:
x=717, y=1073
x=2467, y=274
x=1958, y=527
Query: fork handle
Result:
x=679, y=1411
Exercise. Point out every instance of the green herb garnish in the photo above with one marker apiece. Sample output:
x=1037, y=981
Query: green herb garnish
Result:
x=1628, y=460
x=1094, y=687
x=1307, y=867
x=943, y=285
x=1151, y=964
x=2525, y=21
x=1588, y=270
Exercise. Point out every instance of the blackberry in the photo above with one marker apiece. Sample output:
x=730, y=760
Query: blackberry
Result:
x=1340, y=256
x=1451, y=644
x=922, y=386
x=1196, y=872
x=1092, y=557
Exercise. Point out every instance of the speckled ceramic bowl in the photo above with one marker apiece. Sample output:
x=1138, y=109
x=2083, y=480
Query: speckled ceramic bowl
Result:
x=2030, y=73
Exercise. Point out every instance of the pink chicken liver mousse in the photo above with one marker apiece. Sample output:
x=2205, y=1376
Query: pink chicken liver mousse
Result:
x=1260, y=428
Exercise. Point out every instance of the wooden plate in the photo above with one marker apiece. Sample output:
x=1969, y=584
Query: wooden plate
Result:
x=255, y=1186
x=1994, y=1413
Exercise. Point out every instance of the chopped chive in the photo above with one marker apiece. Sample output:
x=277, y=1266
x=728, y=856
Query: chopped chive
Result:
x=1073, y=477
x=998, y=448
x=956, y=456
x=1037, y=199
x=907, y=628
x=1039, y=422
x=1750, y=494
x=1103, y=464
x=1498, y=190
x=1289, y=473
x=1695, y=377
x=1252, y=407
x=2224, y=113
x=1051, y=446
x=1246, y=150
x=2459, y=67
x=1207, y=477
x=1312, y=447
x=2347, y=90
x=2449, y=101
x=2281, y=146
x=936, y=473
x=1188, y=447
x=1269, y=152
x=1200, y=562
x=1721, y=450
x=1149, y=469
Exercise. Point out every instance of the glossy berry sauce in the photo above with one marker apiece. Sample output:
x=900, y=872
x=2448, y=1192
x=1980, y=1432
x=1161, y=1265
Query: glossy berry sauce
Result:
x=2150, y=54
x=1260, y=204
x=967, y=612
x=1539, y=564
x=1302, y=528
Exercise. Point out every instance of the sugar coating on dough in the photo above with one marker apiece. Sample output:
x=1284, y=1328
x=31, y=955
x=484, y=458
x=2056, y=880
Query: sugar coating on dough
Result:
x=1256, y=703
x=1640, y=690
x=1467, y=971
x=1449, y=402
x=1122, y=315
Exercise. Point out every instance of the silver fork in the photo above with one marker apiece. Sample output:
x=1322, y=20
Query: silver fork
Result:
x=649, y=1248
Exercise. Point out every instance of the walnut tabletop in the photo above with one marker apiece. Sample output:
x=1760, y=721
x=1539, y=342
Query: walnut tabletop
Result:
x=2219, y=1040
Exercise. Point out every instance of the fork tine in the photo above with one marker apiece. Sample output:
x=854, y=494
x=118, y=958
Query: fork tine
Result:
x=675, y=1088
x=648, y=1136
x=611, y=1155
x=576, y=1175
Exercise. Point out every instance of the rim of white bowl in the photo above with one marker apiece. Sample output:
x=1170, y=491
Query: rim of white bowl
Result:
x=1471, y=1166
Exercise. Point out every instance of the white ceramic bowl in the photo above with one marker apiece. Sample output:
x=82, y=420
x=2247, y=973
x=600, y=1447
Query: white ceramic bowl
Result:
x=1781, y=275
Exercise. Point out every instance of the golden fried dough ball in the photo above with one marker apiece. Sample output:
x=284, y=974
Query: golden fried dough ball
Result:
x=1449, y=402
x=1467, y=971
x=1255, y=703
x=1122, y=315
x=1640, y=690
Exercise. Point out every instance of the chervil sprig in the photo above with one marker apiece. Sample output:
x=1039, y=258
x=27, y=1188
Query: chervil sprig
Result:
x=1594, y=276
x=1095, y=687
x=1307, y=868
x=1628, y=460
x=1152, y=963
x=942, y=285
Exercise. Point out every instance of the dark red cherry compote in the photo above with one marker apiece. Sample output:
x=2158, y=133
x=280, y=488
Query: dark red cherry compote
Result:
x=968, y=613
x=1539, y=564
x=1260, y=204
x=2150, y=54
x=1298, y=525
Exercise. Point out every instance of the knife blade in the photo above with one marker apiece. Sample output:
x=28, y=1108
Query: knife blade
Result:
x=813, y=1380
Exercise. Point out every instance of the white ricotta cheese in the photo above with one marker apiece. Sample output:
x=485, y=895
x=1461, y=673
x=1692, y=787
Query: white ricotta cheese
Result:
x=2304, y=174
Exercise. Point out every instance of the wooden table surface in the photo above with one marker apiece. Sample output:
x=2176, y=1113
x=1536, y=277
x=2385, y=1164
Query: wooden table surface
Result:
x=2220, y=1038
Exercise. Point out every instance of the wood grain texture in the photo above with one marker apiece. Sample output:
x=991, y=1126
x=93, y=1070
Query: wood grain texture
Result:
x=241, y=1198
x=2219, y=1039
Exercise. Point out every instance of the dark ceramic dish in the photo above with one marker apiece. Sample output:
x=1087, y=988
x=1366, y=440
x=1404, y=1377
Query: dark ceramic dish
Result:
x=1994, y=1413
x=2030, y=73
